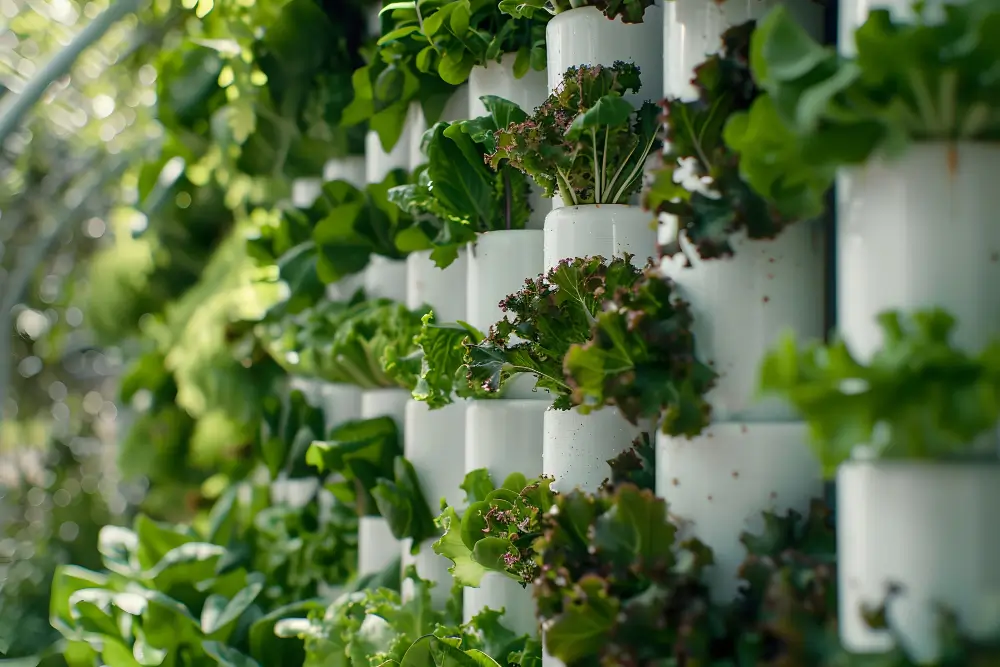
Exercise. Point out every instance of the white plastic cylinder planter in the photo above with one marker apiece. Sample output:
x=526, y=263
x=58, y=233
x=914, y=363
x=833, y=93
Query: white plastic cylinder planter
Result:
x=920, y=232
x=377, y=547
x=344, y=289
x=743, y=304
x=435, y=445
x=576, y=447
x=385, y=279
x=350, y=169
x=455, y=109
x=585, y=36
x=719, y=483
x=498, y=79
x=852, y=13
x=931, y=528
x=505, y=437
x=692, y=31
x=389, y=402
x=305, y=191
x=340, y=403
x=499, y=263
x=431, y=567
x=444, y=290
x=378, y=162
x=608, y=230
x=293, y=492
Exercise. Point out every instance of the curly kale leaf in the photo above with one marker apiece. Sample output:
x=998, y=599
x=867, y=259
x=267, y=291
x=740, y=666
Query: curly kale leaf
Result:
x=641, y=358
x=585, y=142
x=630, y=11
x=443, y=368
x=550, y=314
x=699, y=183
x=919, y=397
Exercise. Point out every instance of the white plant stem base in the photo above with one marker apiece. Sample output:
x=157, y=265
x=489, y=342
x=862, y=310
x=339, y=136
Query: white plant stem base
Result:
x=743, y=304
x=498, y=592
x=599, y=229
x=576, y=447
x=933, y=529
x=717, y=485
x=585, y=36
x=444, y=290
x=920, y=232
x=377, y=547
x=385, y=279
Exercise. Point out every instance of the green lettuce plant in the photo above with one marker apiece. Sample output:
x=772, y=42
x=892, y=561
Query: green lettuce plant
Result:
x=699, y=182
x=919, y=397
x=346, y=342
x=457, y=36
x=372, y=476
x=497, y=530
x=376, y=627
x=392, y=80
x=455, y=196
x=170, y=595
x=641, y=358
x=586, y=141
x=911, y=81
x=357, y=225
x=630, y=11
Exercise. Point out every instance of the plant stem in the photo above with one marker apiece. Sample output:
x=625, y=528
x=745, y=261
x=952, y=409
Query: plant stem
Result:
x=61, y=64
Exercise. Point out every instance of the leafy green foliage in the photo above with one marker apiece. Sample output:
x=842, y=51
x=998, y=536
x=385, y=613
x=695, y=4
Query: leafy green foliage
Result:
x=550, y=314
x=641, y=358
x=615, y=586
x=455, y=195
x=401, y=502
x=496, y=532
x=910, y=81
x=630, y=11
x=347, y=342
x=290, y=424
x=396, y=76
x=585, y=142
x=699, y=183
x=636, y=466
x=357, y=224
x=457, y=36
x=376, y=627
x=167, y=594
x=918, y=398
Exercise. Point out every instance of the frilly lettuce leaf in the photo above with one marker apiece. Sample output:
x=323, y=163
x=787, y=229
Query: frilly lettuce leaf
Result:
x=641, y=358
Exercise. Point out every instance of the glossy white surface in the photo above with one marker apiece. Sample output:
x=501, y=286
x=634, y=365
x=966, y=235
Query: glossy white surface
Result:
x=576, y=447
x=692, y=30
x=385, y=279
x=444, y=290
x=599, y=229
x=505, y=437
x=917, y=233
x=743, y=304
x=350, y=169
x=932, y=528
x=584, y=36
x=717, y=484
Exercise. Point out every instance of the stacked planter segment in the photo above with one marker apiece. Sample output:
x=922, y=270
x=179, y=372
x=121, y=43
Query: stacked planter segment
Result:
x=894, y=252
x=753, y=457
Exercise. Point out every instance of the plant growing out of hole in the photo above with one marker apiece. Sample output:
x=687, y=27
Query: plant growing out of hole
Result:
x=586, y=142
x=630, y=11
